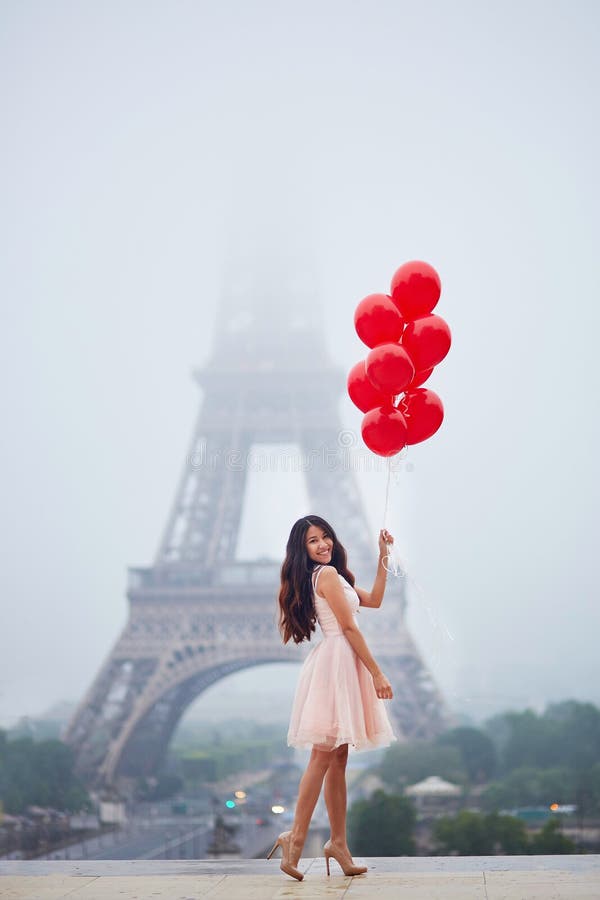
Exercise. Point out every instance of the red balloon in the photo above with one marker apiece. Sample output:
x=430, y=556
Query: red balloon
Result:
x=389, y=368
x=361, y=391
x=416, y=288
x=419, y=379
x=384, y=431
x=377, y=320
x=427, y=341
x=424, y=413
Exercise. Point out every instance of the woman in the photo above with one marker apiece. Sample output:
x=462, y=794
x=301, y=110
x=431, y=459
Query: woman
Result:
x=340, y=690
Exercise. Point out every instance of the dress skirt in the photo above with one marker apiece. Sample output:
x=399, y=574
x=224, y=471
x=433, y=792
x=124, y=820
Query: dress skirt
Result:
x=336, y=703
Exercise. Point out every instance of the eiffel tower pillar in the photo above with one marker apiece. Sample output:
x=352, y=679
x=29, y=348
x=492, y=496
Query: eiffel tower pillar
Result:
x=198, y=614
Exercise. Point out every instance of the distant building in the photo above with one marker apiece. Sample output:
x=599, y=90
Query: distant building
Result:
x=434, y=796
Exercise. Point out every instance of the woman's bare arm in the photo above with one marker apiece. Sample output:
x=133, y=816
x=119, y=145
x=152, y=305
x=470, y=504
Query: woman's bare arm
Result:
x=331, y=589
x=374, y=597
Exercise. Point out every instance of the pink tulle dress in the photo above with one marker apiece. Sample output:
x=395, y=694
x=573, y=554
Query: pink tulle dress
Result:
x=335, y=701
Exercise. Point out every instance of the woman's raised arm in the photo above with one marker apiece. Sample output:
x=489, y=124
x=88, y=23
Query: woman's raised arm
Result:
x=374, y=597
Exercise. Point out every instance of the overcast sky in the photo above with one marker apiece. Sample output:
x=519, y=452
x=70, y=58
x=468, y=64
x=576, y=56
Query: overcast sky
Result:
x=149, y=146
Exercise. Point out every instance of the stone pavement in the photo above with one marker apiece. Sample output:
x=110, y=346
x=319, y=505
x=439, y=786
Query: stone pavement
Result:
x=393, y=878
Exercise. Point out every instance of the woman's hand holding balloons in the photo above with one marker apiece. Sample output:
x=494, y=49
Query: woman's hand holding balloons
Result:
x=385, y=543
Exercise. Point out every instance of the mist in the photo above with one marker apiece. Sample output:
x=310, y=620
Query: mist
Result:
x=155, y=157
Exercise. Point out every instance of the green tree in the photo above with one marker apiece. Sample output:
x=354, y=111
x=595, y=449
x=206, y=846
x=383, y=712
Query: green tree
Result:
x=566, y=734
x=531, y=742
x=408, y=763
x=473, y=834
x=476, y=749
x=382, y=826
x=551, y=840
x=577, y=733
x=510, y=834
x=465, y=834
x=39, y=774
x=529, y=786
x=587, y=790
x=160, y=788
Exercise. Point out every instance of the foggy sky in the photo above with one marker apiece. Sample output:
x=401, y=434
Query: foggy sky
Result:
x=149, y=149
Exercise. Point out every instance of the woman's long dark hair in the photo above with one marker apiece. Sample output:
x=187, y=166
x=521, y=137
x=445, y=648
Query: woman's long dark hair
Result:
x=297, y=614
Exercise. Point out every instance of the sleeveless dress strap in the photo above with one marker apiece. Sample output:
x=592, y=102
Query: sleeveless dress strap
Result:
x=315, y=576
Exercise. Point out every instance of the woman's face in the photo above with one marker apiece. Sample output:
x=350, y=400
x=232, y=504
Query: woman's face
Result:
x=319, y=545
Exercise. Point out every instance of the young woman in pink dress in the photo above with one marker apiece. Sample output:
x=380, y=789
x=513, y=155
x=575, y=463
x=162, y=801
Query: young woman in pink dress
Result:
x=340, y=690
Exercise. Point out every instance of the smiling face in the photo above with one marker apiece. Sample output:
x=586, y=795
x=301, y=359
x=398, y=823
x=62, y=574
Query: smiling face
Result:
x=319, y=545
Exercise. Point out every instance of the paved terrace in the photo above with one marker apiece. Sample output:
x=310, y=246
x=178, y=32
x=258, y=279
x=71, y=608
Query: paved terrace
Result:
x=404, y=878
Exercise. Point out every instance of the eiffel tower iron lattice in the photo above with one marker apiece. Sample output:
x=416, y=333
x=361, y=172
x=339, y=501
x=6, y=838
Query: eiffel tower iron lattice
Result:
x=198, y=614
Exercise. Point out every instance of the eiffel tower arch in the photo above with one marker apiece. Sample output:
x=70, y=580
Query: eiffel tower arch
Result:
x=198, y=613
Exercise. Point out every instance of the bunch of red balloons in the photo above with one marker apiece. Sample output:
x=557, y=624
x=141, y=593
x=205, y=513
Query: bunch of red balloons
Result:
x=407, y=340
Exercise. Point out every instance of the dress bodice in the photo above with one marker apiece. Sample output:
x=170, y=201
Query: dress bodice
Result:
x=325, y=615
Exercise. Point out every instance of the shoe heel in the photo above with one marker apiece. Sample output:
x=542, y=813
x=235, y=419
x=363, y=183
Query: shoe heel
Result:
x=327, y=863
x=273, y=849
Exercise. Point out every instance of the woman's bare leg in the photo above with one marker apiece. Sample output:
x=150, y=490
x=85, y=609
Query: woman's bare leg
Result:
x=335, y=795
x=308, y=794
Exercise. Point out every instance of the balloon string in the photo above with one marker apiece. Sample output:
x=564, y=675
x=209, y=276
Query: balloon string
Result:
x=392, y=562
x=435, y=622
x=387, y=491
x=395, y=565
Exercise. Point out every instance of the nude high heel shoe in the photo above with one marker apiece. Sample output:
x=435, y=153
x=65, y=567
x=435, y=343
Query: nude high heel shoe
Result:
x=284, y=841
x=344, y=862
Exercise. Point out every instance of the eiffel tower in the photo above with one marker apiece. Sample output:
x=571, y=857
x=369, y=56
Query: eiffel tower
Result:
x=198, y=613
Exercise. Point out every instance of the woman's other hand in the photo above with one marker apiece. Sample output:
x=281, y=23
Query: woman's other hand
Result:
x=383, y=688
